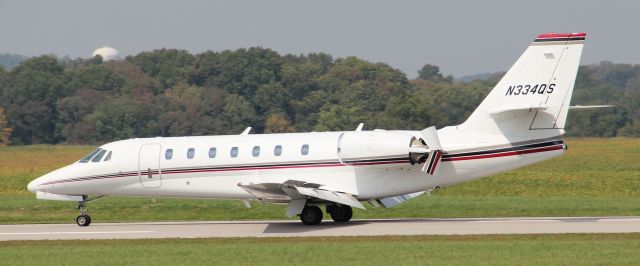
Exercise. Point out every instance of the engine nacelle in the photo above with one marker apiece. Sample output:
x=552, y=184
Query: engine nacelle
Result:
x=358, y=146
x=418, y=151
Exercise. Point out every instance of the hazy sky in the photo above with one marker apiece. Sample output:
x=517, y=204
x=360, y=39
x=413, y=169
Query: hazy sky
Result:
x=462, y=37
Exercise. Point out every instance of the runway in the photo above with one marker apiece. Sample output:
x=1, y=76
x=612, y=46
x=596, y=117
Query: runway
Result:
x=291, y=228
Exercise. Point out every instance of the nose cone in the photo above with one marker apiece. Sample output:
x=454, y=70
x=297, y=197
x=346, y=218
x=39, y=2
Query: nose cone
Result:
x=43, y=183
x=33, y=185
x=36, y=185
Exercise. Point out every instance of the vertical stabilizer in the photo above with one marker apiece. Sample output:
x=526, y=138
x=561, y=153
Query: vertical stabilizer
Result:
x=534, y=94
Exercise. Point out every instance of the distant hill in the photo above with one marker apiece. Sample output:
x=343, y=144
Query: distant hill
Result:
x=9, y=61
x=481, y=76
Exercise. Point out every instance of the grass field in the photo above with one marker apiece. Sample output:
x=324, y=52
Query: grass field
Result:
x=568, y=249
x=595, y=177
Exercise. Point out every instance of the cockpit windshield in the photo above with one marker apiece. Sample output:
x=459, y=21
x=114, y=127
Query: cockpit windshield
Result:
x=90, y=155
x=99, y=156
x=96, y=156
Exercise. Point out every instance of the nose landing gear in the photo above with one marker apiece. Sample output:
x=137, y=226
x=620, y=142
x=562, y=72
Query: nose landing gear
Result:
x=83, y=219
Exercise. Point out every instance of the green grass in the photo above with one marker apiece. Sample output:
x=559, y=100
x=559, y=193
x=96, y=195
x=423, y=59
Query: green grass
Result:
x=21, y=164
x=595, y=177
x=567, y=249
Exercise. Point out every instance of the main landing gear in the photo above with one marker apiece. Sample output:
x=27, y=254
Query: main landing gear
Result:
x=312, y=215
x=340, y=213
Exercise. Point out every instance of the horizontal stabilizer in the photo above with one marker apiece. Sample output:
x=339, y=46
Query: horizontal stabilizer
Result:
x=333, y=196
x=389, y=202
x=589, y=106
x=62, y=197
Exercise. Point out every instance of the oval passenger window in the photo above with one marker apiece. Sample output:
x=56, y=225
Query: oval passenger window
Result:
x=277, y=151
x=190, y=153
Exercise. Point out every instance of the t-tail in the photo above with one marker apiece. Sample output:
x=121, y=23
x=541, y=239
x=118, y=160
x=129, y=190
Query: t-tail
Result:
x=524, y=114
x=532, y=100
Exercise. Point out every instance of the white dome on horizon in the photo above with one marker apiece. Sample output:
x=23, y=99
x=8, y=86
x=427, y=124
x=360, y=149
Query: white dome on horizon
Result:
x=107, y=53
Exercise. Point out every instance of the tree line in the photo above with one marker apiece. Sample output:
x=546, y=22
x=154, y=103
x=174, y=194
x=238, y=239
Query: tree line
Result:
x=171, y=92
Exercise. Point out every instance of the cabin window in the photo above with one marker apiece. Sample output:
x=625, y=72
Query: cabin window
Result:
x=168, y=154
x=305, y=149
x=108, y=157
x=212, y=152
x=277, y=151
x=234, y=152
x=90, y=155
x=190, y=153
x=256, y=151
x=99, y=156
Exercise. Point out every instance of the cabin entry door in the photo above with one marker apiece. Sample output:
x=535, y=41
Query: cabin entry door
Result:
x=149, y=170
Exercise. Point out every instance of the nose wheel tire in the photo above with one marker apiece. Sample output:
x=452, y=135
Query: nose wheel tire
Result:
x=311, y=215
x=340, y=214
x=83, y=220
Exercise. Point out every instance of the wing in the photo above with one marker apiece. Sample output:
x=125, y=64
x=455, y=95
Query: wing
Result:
x=297, y=193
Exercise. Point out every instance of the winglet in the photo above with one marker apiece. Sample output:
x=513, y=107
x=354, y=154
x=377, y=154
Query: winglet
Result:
x=360, y=126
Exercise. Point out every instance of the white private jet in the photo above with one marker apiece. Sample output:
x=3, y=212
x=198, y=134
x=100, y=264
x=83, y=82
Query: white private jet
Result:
x=519, y=123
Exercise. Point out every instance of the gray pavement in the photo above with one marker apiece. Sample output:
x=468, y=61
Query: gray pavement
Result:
x=370, y=227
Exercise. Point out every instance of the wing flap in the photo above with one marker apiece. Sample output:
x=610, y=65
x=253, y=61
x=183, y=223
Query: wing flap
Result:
x=333, y=196
x=389, y=202
x=270, y=192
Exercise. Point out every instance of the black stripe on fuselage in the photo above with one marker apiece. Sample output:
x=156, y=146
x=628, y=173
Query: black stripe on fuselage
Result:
x=516, y=148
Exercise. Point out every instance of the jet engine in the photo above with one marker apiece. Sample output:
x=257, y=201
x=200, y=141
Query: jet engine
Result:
x=426, y=150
